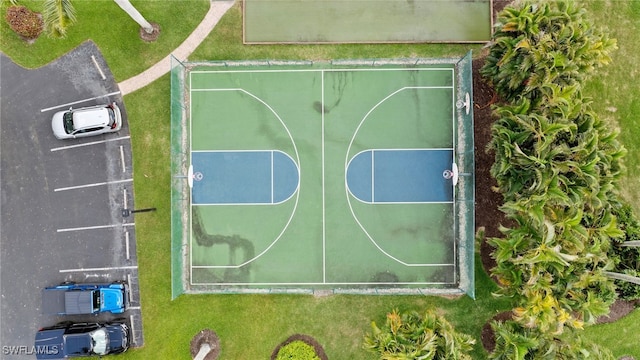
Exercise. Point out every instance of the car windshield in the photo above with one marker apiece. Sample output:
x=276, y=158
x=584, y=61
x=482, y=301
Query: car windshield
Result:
x=100, y=339
x=97, y=299
x=112, y=116
x=67, y=119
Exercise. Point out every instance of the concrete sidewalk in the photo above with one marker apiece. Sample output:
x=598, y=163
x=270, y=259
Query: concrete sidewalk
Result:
x=217, y=9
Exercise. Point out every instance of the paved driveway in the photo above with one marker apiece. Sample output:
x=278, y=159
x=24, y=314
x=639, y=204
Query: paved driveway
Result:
x=61, y=215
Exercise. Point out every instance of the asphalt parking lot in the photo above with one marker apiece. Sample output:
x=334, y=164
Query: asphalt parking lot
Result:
x=62, y=202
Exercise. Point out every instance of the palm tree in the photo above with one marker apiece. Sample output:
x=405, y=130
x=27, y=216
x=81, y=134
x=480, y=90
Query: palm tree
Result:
x=411, y=335
x=623, y=277
x=58, y=15
x=542, y=42
x=135, y=15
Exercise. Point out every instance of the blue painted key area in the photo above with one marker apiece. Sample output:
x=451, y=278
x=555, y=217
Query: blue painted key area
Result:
x=401, y=176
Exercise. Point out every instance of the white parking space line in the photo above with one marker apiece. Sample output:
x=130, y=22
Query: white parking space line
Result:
x=95, y=227
x=92, y=185
x=79, y=101
x=90, y=143
x=133, y=330
x=122, y=158
x=95, y=62
x=126, y=237
x=99, y=269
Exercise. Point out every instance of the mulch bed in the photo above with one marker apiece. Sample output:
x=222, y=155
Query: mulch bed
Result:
x=305, y=339
x=150, y=37
x=488, y=201
x=619, y=309
x=487, y=337
x=487, y=214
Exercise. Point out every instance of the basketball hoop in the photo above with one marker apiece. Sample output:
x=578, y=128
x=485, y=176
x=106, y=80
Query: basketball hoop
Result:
x=451, y=174
x=191, y=176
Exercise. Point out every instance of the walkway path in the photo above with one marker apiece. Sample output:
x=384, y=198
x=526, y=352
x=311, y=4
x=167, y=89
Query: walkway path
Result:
x=216, y=10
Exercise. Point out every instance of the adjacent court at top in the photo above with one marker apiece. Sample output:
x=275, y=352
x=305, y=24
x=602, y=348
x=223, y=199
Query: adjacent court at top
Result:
x=324, y=176
x=358, y=21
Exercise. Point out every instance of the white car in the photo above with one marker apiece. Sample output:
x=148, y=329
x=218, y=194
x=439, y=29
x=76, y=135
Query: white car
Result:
x=88, y=121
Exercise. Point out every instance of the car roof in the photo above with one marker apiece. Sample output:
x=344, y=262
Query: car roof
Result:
x=90, y=117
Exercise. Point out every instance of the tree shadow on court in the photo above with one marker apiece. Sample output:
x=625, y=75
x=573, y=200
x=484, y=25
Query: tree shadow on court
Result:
x=234, y=242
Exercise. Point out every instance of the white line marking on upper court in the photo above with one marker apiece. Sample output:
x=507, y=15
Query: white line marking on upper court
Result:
x=92, y=185
x=90, y=143
x=79, y=101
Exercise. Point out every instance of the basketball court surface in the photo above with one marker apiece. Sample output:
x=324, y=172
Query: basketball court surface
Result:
x=303, y=177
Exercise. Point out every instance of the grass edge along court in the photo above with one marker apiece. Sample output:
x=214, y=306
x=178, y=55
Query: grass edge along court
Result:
x=333, y=262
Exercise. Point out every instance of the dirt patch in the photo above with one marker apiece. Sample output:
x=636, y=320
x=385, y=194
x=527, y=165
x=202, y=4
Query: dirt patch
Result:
x=153, y=36
x=208, y=337
x=498, y=5
x=487, y=335
x=619, y=309
x=488, y=201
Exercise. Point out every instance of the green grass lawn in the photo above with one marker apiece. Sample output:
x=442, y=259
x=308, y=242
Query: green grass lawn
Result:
x=615, y=90
x=115, y=33
x=250, y=326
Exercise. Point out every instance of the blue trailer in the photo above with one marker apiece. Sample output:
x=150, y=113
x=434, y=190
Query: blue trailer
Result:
x=75, y=299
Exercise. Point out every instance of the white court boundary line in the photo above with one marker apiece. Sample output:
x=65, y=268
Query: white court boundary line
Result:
x=327, y=283
x=316, y=70
x=322, y=71
x=346, y=162
x=324, y=193
x=297, y=192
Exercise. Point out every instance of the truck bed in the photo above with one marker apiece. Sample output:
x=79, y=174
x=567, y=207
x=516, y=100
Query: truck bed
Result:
x=61, y=301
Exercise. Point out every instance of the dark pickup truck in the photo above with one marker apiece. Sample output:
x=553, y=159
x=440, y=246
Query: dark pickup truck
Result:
x=66, y=340
x=75, y=299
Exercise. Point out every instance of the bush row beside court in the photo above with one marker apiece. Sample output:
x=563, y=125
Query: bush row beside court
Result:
x=557, y=166
x=411, y=335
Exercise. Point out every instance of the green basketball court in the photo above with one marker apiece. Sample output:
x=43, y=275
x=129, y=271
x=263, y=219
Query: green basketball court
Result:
x=344, y=176
x=366, y=21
